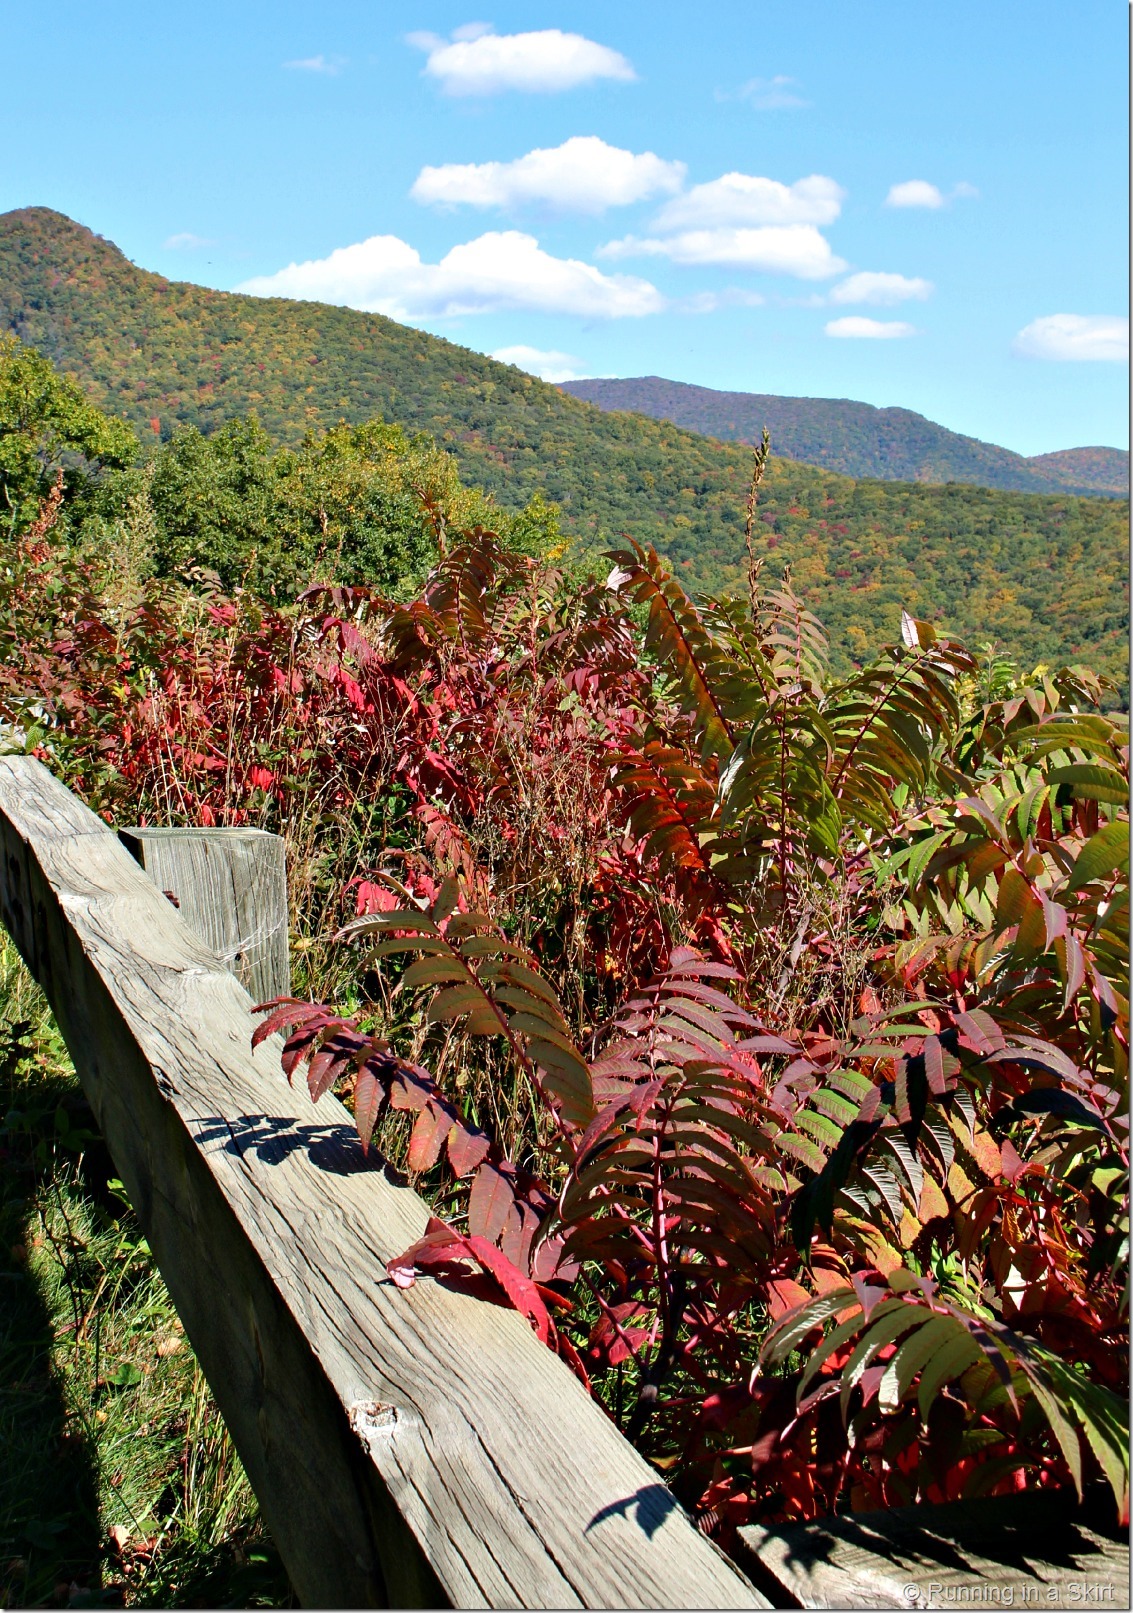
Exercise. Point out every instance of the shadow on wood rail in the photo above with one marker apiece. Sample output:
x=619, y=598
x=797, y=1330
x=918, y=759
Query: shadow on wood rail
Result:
x=408, y=1448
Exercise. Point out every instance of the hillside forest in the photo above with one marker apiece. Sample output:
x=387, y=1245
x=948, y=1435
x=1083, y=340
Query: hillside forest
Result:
x=1042, y=575
x=753, y=1014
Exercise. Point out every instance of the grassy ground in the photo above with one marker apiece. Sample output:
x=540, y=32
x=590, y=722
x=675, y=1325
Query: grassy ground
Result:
x=119, y=1485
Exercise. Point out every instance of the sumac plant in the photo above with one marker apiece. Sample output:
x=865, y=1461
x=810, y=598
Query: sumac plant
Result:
x=762, y=1037
x=829, y=1210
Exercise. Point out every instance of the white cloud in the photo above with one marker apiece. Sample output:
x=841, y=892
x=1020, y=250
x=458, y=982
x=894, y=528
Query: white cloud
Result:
x=797, y=249
x=914, y=193
x=771, y=94
x=548, y=366
x=1080, y=337
x=331, y=65
x=709, y=302
x=583, y=174
x=739, y=199
x=186, y=241
x=477, y=61
x=882, y=290
x=856, y=325
x=500, y=270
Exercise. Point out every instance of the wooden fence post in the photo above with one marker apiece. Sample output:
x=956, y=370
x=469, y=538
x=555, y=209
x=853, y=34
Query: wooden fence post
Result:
x=230, y=887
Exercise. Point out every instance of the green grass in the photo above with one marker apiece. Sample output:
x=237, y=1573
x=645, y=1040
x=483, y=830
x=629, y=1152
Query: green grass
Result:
x=119, y=1485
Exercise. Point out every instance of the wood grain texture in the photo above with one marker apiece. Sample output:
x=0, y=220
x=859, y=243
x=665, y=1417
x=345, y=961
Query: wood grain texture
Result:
x=410, y=1446
x=1038, y=1549
x=230, y=887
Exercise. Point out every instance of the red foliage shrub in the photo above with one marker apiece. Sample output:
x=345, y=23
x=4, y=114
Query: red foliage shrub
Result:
x=812, y=995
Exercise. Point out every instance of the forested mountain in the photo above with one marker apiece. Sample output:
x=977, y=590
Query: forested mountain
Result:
x=1104, y=470
x=857, y=439
x=1043, y=575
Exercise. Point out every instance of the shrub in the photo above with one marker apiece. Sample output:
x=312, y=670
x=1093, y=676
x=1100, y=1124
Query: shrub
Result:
x=762, y=1035
x=830, y=1208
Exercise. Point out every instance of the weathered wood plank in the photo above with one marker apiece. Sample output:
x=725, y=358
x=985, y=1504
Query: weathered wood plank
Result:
x=230, y=887
x=1037, y=1549
x=410, y=1445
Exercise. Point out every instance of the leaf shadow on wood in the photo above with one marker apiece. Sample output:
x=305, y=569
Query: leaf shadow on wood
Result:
x=651, y=1505
x=334, y=1148
x=1043, y=1540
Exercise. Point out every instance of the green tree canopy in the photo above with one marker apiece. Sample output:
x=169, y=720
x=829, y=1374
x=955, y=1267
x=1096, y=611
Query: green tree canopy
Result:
x=359, y=504
x=47, y=424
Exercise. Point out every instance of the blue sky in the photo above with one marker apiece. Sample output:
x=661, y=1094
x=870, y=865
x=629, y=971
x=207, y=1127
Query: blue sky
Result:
x=617, y=188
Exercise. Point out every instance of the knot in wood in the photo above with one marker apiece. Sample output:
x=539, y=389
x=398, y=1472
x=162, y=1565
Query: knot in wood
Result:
x=373, y=1419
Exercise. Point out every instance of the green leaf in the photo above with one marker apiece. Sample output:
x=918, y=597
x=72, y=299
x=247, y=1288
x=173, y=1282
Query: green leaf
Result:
x=887, y=1323
x=456, y=1000
x=1060, y=1425
x=415, y=943
x=1090, y=782
x=949, y=1361
x=125, y=1376
x=915, y=1352
x=403, y=919
x=833, y=1341
x=783, y=1339
x=433, y=971
x=492, y=946
x=824, y=1131
x=529, y=980
x=1103, y=1417
x=530, y=1006
x=1016, y=899
x=1103, y=854
x=567, y=1077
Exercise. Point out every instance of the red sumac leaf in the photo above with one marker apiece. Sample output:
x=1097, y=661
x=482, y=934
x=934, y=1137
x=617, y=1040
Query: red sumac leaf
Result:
x=645, y=1096
x=369, y=1100
x=979, y=1031
x=934, y=1067
x=429, y=1133
x=519, y=1288
x=296, y=1048
x=441, y=1245
x=604, y=1121
x=766, y=1044
x=785, y=1295
x=573, y=1360
x=684, y=961
x=1072, y=963
x=410, y=1088
x=489, y=1202
x=286, y=1011
x=1054, y=919
x=438, y=1243
x=552, y=1263
x=466, y=1149
x=323, y=1071
x=519, y=1231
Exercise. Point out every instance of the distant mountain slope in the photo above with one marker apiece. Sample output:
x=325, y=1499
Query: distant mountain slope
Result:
x=1104, y=469
x=1042, y=575
x=857, y=439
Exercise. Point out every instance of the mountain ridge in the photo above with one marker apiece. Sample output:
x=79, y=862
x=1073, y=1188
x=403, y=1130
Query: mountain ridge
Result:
x=858, y=439
x=1043, y=575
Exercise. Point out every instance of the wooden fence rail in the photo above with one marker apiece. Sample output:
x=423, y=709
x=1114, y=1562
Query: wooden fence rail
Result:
x=410, y=1448
x=420, y=1447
